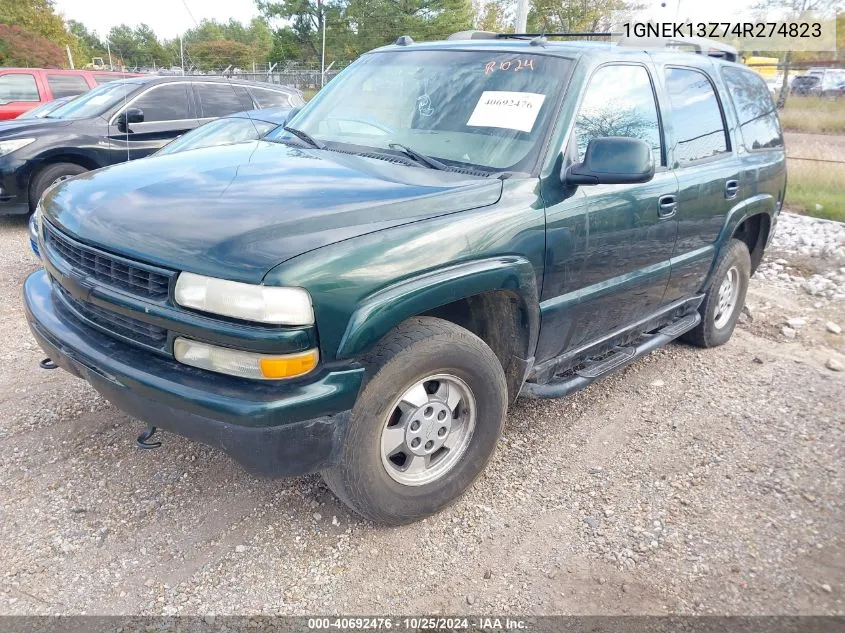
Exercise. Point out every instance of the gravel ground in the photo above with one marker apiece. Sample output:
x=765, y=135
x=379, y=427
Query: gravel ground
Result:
x=692, y=482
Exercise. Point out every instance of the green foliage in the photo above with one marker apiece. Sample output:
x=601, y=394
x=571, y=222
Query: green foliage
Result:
x=218, y=54
x=572, y=15
x=38, y=18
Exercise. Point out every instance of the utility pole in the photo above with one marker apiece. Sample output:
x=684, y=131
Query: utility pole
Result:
x=521, y=16
x=69, y=57
x=323, y=57
x=108, y=48
x=182, y=53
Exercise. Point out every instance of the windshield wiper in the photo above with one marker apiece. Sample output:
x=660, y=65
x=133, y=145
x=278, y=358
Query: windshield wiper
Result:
x=433, y=163
x=304, y=136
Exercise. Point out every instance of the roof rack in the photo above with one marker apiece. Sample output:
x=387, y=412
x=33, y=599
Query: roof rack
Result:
x=699, y=45
x=490, y=35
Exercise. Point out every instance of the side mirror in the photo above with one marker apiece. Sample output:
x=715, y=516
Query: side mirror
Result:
x=613, y=160
x=128, y=116
x=291, y=114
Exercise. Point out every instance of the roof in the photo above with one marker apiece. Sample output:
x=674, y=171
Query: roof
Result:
x=163, y=79
x=560, y=48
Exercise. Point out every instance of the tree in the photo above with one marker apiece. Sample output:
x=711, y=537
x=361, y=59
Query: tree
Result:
x=494, y=16
x=90, y=44
x=19, y=47
x=218, y=54
x=39, y=18
x=571, y=15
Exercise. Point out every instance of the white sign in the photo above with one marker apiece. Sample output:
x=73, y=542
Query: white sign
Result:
x=508, y=110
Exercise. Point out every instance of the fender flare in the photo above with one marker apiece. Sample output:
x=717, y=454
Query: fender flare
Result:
x=383, y=310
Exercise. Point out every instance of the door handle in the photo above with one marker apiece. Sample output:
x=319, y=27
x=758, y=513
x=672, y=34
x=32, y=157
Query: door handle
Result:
x=731, y=189
x=666, y=206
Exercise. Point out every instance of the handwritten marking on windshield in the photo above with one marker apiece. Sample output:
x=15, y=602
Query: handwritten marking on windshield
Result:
x=512, y=65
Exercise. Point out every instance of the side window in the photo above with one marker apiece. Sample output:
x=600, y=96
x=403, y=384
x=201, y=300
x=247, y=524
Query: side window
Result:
x=270, y=98
x=619, y=101
x=758, y=119
x=66, y=85
x=696, y=116
x=167, y=102
x=221, y=99
x=104, y=79
x=18, y=87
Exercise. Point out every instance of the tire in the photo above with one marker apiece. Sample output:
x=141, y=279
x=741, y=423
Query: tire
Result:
x=47, y=176
x=717, y=323
x=420, y=348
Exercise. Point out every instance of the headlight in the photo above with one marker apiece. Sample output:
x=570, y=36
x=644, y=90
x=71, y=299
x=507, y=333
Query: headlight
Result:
x=263, y=304
x=244, y=364
x=7, y=147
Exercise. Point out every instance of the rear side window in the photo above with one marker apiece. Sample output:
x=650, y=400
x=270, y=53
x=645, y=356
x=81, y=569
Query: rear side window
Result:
x=66, y=85
x=18, y=87
x=271, y=98
x=619, y=101
x=104, y=79
x=222, y=99
x=168, y=102
x=758, y=119
x=696, y=116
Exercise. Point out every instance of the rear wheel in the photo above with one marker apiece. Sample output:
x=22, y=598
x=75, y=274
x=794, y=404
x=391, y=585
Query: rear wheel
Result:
x=724, y=298
x=50, y=175
x=425, y=425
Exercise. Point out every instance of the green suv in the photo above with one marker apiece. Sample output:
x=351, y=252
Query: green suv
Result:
x=445, y=226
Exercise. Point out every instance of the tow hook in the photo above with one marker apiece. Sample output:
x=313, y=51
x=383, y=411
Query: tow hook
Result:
x=48, y=363
x=145, y=436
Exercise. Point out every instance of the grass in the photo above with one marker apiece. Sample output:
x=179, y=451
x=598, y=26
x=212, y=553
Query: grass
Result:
x=816, y=189
x=813, y=115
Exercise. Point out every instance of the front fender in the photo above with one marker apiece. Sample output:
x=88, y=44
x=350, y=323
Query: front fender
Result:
x=383, y=310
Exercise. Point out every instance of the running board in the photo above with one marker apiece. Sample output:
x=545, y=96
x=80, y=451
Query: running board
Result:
x=619, y=357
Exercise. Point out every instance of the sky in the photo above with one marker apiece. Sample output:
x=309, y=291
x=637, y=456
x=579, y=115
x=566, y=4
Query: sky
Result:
x=168, y=18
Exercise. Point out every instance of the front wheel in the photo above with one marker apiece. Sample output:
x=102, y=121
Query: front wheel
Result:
x=425, y=425
x=50, y=175
x=724, y=298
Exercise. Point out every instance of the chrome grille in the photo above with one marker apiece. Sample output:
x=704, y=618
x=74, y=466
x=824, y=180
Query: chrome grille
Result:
x=113, y=271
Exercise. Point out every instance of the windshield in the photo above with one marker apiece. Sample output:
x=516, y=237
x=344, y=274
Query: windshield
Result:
x=220, y=132
x=43, y=110
x=487, y=110
x=95, y=101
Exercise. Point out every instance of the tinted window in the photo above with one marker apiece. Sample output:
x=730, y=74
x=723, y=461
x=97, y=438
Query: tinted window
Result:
x=619, y=101
x=758, y=119
x=18, y=87
x=168, y=102
x=222, y=99
x=271, y=98
x=696, y=116
x=66, y=85
x=102, y=79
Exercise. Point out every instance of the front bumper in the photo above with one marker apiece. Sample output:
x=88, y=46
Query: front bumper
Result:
x=271, y=429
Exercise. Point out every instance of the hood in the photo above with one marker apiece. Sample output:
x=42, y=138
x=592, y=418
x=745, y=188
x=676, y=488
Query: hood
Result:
x=23, y=127
x=237, y=211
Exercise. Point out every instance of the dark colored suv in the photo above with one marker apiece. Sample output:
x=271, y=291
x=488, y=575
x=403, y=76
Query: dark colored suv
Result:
x=445, y=226
x=115, y=122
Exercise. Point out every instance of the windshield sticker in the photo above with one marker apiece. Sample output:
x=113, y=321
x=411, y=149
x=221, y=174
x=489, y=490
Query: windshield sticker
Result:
x=511, y=65
x=508, y=110
x=424, y=106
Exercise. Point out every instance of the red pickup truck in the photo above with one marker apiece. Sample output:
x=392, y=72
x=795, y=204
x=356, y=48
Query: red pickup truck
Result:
x=22, y=89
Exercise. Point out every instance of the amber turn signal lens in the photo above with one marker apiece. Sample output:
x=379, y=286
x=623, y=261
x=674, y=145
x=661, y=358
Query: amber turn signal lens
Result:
x=289, y=366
